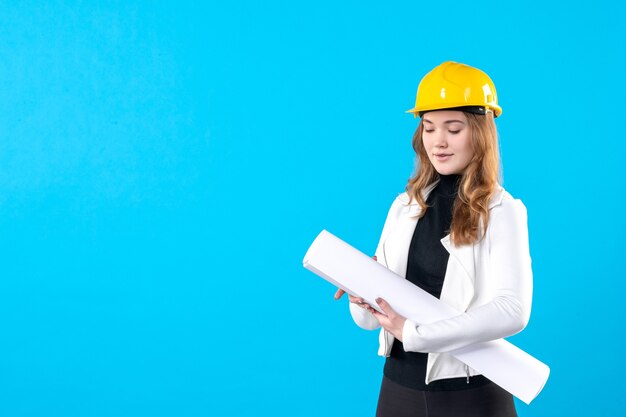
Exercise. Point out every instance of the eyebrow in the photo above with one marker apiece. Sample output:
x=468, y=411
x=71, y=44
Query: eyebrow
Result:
x=447, y=121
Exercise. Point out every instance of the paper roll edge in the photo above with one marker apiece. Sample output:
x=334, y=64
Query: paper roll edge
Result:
x=311, y=251
x=527, y=401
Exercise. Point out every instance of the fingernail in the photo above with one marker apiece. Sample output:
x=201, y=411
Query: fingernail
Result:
x=378, y=300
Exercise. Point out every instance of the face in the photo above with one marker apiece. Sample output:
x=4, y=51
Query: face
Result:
x=447, y=140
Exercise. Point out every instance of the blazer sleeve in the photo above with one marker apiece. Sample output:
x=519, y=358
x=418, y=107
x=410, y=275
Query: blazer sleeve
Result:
x=508, y=311
x=363, y=318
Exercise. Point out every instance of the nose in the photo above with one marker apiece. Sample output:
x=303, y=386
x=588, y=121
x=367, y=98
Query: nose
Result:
x=440, y=139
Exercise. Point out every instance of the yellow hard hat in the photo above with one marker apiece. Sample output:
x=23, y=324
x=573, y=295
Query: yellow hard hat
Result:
x=453, y=85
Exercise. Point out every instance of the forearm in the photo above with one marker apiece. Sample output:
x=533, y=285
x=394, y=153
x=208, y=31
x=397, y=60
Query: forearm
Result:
x=502, y=317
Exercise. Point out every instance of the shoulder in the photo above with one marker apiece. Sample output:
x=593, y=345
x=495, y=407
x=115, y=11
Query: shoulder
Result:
x=504, y=208
x=503, y=200
x=406, y=204
x=402, y=198
x=400, y=205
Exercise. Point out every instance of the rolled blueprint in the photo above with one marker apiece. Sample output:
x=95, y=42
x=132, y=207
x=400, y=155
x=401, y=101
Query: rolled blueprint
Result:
x=356, y=273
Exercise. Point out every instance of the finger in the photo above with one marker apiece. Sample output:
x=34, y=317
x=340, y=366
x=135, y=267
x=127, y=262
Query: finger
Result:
x=356, y=300
x=339, y=294
x=384, y=306
x=371, y=309
x=382, y=319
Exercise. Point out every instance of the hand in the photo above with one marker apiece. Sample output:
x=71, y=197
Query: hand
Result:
x=391, y=321
x=356, y=300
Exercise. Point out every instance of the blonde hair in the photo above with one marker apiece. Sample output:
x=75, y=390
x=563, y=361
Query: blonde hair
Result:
x=479, y=181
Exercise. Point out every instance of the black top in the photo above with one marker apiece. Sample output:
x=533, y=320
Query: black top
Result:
x=426, y=268
x=428, y=259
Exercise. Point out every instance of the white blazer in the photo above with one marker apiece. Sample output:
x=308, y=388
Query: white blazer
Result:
x=490, y=282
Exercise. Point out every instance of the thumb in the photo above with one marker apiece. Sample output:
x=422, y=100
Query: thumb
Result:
x=384, y=305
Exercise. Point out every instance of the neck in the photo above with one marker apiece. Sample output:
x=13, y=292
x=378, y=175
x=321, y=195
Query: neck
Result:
x=449, y=184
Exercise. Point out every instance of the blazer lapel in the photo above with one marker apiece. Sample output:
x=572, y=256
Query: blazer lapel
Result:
x=396, y=246
x=458, y=285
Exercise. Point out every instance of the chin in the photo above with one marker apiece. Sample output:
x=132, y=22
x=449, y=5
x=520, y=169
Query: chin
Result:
x=445, y=171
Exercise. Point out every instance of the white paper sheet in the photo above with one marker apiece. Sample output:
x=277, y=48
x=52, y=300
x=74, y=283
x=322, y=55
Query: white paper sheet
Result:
x=356, y=273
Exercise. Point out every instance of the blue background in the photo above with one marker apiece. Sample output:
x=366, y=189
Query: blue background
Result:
x=165, y=165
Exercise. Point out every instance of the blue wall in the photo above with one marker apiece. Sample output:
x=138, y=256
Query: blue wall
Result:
x=165, y=165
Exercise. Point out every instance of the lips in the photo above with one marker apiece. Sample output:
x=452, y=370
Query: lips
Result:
x=443, y=156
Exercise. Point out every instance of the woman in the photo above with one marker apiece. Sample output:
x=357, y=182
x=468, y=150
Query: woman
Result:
x=457, y=234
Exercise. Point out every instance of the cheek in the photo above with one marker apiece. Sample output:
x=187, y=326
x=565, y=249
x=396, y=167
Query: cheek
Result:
x=426, y=146
x=465, y=145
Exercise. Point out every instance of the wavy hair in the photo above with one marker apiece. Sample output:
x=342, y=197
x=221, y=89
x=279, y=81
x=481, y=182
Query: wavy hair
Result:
x=479, y=181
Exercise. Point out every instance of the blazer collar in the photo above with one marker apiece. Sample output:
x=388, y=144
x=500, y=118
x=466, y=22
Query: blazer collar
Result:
x=412, y=208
